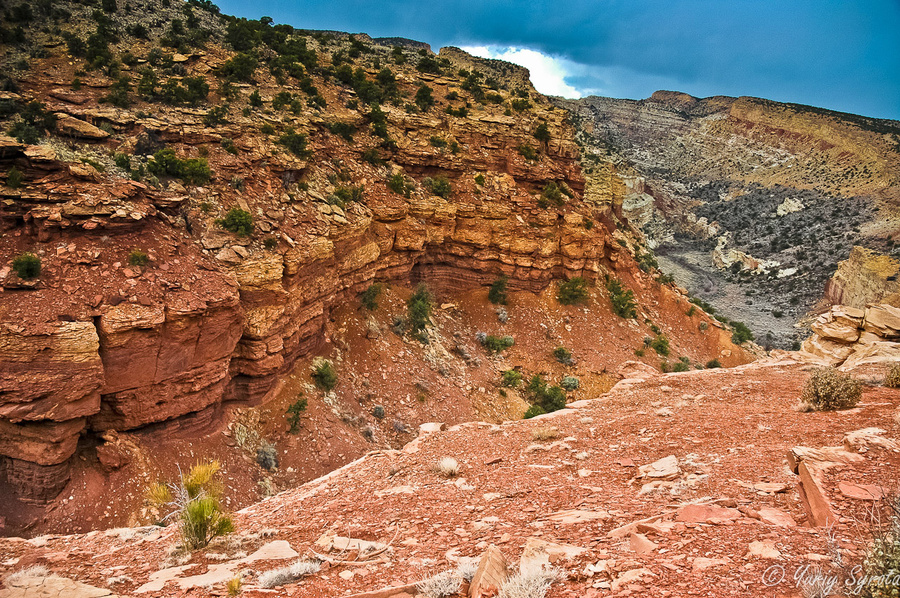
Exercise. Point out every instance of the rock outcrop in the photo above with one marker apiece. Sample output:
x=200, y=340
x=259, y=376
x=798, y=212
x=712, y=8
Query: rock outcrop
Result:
x=103, y=341
x=865, y=277
x=850, y=338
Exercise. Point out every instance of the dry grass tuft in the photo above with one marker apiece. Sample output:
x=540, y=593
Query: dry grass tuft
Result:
x=543, y=434
x=447, y=467
x=289, y=574
x=20, y=577
x=441, y=585
x=533, y=582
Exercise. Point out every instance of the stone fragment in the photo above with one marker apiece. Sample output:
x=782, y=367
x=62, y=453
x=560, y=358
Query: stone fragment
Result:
x=662, y=469
x=490, y=575
x=640, y=544
x=764, y=549
x=860, y=491
x=776, y=517
x=706, y=514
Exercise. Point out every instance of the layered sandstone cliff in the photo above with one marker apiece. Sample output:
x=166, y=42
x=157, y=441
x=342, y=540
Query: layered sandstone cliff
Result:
x=97, y=344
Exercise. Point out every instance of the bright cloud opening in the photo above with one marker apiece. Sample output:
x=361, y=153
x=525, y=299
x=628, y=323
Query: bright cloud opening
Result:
x=548, y=74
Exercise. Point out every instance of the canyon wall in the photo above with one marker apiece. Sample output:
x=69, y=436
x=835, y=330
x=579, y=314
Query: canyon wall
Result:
x=97, y=344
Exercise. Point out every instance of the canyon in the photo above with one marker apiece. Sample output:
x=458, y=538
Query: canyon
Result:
x=217, y=241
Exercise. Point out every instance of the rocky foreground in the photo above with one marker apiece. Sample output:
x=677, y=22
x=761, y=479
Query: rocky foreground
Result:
x=702, y=483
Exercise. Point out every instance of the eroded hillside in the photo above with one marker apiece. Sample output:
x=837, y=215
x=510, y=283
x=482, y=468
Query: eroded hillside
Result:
x=749, y=203
x=206, y=199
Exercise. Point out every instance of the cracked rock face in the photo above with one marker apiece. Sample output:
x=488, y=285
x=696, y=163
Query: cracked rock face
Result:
x=99, y=343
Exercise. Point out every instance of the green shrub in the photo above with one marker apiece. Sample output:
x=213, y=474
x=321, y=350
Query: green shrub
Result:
x=520, y=104
x=460, y=112
x=123, y=161
x=549, y=398
x=190, y=170
x=828, y=390
x=691, y=311
x=238, y=221
x=270, y=243
x=372, y=156
x=343, y=195
x=399, y=185
x=479, y=180
x=369, y=297
x=497, y=344
x=202, y=519
x=712, y=364
x=195, y=501
x=740, y=333
x=703, y=326
x=570, y=383
x=511, y=378
x=438, y=142
x=542, y=133
x=14, y=178
x=345, y=130
x=267, y=129
x=563, y=355
x=572, y=291
x=623, y=304
x=497, y=292
x=424, y=99
x=34, y=122
x=552, y=194
x=418, y=309
x=681, y=367
x=118, y=93
x=661, y=345
x=533, y=411
x=439, y=186
x=325, y=375
x=429, y=64
x=27, y=266
x=138, y=258
x=239, y=67
x=295, y=143
x=528, y=152
x=215, y=116
x=378, y=412
x=190, y=91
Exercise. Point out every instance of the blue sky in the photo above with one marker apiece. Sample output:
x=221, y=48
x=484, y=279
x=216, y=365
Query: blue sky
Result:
x=842, y=55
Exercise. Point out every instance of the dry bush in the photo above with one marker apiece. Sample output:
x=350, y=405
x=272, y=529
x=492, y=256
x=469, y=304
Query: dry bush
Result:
x=246, y=430
x=892, y=379
x=289, y=574
x=447, y=467
x=542, y=434
x=533, y=582
x=828, y=389
x=881, y=565
x=446, y=583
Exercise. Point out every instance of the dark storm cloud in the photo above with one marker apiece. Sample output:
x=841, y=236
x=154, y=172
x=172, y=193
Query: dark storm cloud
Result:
x=839, y=55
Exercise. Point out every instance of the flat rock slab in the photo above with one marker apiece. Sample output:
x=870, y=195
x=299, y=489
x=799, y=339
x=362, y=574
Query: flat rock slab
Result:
x=706, y=514
x=578, y=516
x=860, y=491
x=776, y=517
x=539, y=553
x=663, y=469
x=52, y=586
